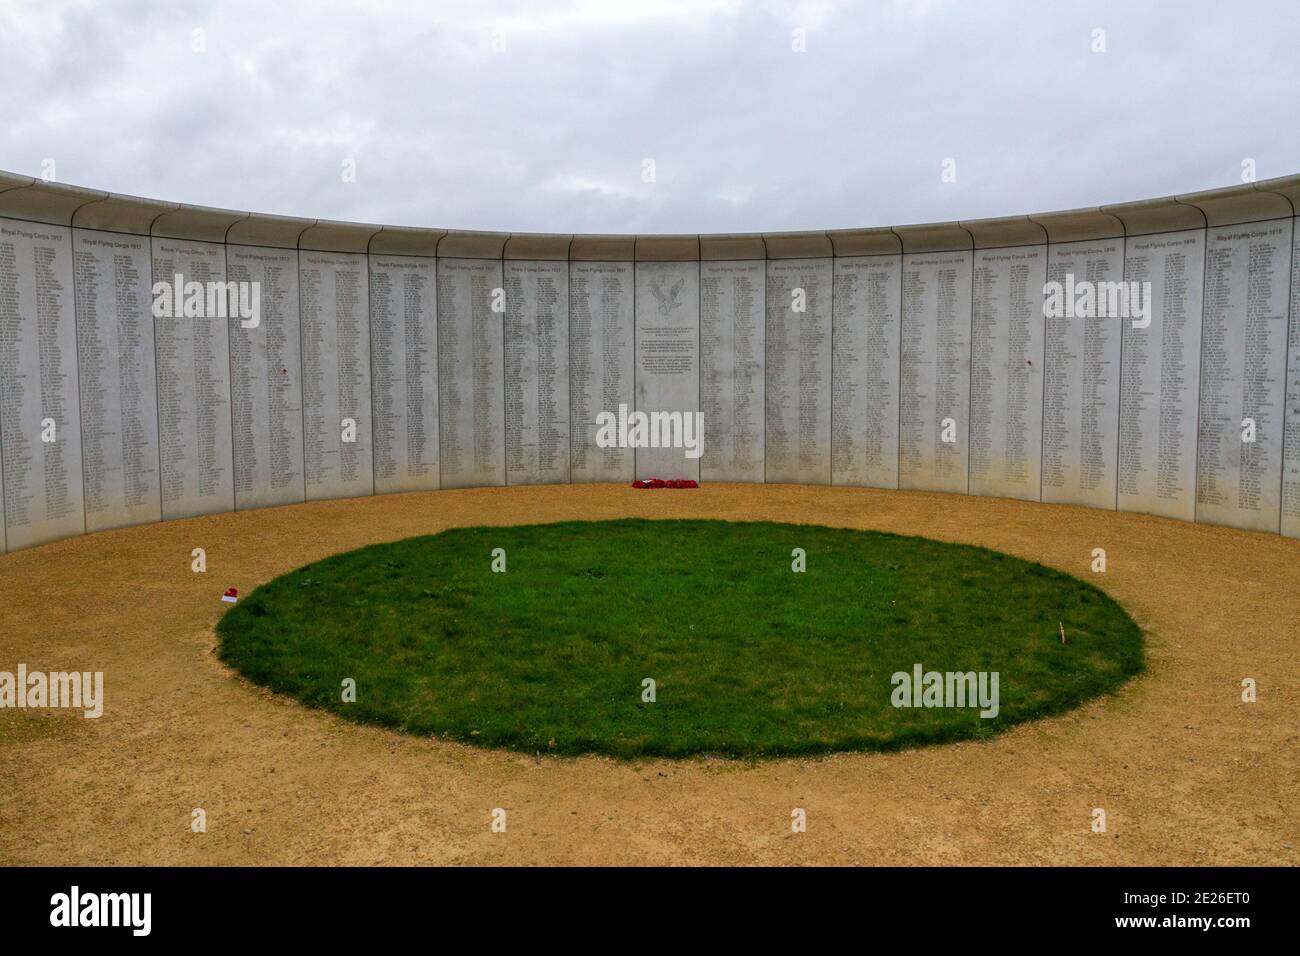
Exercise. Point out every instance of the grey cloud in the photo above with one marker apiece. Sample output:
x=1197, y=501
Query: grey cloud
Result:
x=550, y=134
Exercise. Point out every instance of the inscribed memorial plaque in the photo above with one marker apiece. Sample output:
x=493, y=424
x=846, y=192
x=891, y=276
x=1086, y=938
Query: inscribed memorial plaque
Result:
x=404, y=363
x=798, y=399
x=1007, y=372
x=537, y=372
x=192, y=352
x=1160, y=375
x=668, y=367
x=934, y=384
x=266, y=380
x=471, y=389
x=732, y=369
x=1081, y=370
x=119, y=387
x=40, y=413
x=601, y=373
x=864, y=371
x=1243, y=373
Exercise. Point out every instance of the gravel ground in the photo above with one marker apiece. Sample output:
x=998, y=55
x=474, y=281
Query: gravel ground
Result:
x=1186, y=772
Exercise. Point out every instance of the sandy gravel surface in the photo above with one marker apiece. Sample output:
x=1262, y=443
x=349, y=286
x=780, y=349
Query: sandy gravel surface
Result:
x=1187, y=773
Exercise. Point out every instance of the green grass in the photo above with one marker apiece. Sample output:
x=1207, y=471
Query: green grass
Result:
x=749, y=658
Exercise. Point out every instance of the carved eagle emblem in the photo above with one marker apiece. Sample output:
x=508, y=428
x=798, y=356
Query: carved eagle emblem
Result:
x=669, y=300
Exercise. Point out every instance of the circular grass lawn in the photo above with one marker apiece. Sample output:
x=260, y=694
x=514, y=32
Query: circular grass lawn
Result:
x=748, y=657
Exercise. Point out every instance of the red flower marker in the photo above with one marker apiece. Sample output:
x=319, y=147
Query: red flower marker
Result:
x=231, y=595
x=661, y=483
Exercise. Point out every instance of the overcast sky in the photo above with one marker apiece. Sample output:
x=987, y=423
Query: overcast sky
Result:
x=540, y=115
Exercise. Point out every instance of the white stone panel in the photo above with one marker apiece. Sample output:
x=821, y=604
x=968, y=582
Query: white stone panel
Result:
x=1081, y=390
x=471, y=395
x=40, y=414
x=193, y=360
x=1291, y=438
x=732, y=369
x=336, y=375
x=668, y=365
x=404, y=364
x=867, y=319
x=798, y=401
x=537, y=372
x=1243, y=374
x=934, y=386
x=1007, y=327
x=1160, y=375
x=601, y=371
x=266, y=380
x=113, y=274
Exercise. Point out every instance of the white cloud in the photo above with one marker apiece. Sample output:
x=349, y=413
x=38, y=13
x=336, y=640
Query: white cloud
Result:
x=549, y=134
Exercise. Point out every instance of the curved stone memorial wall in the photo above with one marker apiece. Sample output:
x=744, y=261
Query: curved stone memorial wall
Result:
x=1142, y=357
